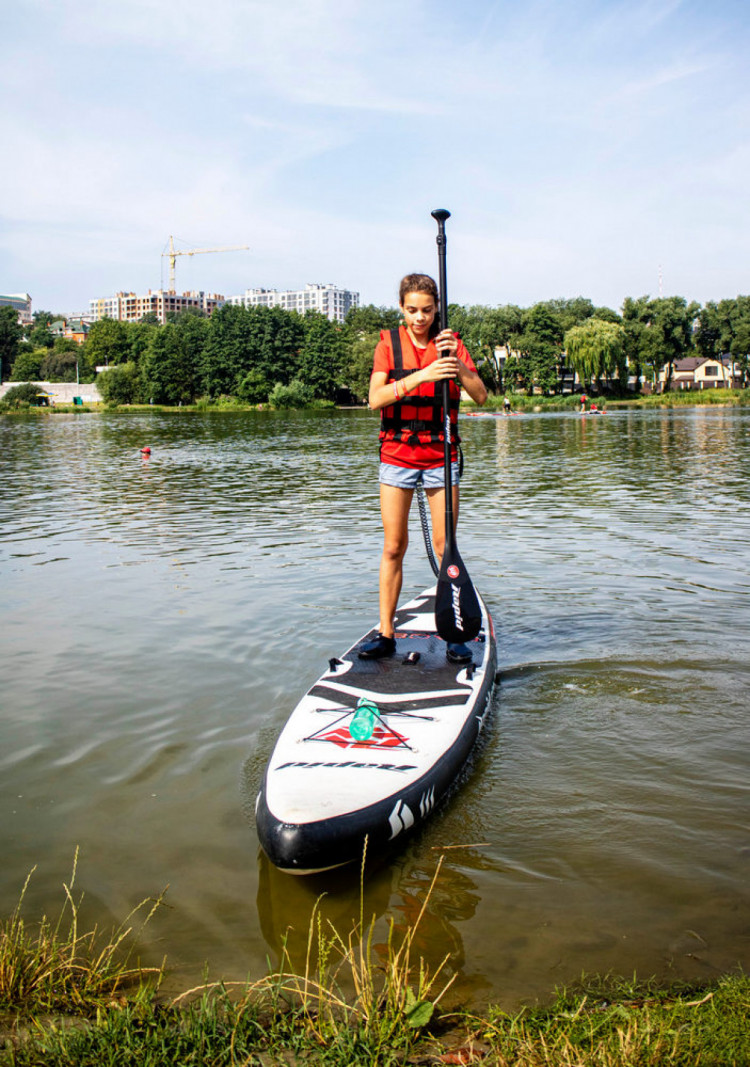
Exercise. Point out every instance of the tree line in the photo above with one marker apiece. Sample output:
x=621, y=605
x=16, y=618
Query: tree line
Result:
x=269, y=355
x=556, y=338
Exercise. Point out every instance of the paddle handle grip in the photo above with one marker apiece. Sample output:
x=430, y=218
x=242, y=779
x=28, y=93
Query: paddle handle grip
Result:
x=440, y=215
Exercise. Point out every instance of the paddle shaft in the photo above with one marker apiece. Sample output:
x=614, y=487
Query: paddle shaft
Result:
x=458, y=615
x=440, y=215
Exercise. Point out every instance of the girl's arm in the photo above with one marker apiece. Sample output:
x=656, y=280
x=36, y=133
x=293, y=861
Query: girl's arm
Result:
x=382, y=392
x=472, y=383
x=447, y=344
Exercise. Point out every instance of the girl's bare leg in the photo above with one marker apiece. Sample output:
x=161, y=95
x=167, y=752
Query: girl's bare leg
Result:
x=394, y=509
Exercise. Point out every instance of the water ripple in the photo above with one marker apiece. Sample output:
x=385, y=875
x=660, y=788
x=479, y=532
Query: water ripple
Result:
x=162, y=616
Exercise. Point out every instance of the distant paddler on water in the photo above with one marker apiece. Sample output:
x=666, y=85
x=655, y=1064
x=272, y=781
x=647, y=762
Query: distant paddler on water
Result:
x=593, y=410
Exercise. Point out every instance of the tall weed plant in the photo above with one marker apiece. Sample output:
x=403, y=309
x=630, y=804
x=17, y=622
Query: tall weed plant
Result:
x=54, y=966
x=346, y=993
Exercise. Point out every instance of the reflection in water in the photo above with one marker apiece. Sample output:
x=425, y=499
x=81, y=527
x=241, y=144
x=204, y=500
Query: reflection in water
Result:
x=288, y=904
x=394, y=899
x=162, y=616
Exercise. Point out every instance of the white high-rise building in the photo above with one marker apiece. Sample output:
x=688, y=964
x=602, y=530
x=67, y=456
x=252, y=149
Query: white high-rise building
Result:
x=327, y=299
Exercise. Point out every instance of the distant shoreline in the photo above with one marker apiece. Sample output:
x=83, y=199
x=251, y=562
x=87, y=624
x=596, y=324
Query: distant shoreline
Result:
x=520, y=403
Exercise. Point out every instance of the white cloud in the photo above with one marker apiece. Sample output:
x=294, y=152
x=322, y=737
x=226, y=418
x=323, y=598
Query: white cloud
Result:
x=575, y=144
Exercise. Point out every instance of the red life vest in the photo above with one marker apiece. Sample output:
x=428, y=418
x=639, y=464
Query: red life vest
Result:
x=418, y=419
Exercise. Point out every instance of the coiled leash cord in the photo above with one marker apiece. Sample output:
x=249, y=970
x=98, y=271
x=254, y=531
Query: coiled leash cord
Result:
x=424, y=519
x=426, y=532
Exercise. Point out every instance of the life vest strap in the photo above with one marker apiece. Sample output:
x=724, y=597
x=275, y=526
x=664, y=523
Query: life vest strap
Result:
x=416, y=420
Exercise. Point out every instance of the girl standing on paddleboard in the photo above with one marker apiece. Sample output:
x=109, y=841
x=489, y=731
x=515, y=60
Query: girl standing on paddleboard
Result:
x=409, y=368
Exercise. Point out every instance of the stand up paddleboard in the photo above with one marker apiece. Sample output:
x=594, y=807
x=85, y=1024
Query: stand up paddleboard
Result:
x=374, y=745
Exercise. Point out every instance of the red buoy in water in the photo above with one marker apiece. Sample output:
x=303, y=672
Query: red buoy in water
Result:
x=146, y=451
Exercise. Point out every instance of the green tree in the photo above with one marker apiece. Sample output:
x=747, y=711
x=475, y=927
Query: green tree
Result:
x=40, y=336
x=295, y=395
x=708, y=332
x=279, y=337
x=502, y=326
x=21, y=396
x=120, y=384
x=169, y=371
x=107, y=343
x=488, y=334
x=370, y=319
x=60, y=367
x=321, y=358
x=467, y=323
x=224, y=359
x=28, y=366
x=596, y=349
x=739, y=345
x=138, y=337
x=65, y=344
x=605, y=314
x=359, y=364
x=724, y=328
x=635, y=318
x=669, y=334
x=359, y=337
x=540, y=351
x=254, y=387
x=569, y=312
x=241, y=340
x=170, y=357
x=192, y=328
x=10, y=339
x=38, y=333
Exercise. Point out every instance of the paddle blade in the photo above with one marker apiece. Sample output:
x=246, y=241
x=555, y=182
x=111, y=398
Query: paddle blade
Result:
x=458, y=616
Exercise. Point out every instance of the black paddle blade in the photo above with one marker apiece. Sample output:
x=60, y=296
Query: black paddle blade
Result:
x=458, y=616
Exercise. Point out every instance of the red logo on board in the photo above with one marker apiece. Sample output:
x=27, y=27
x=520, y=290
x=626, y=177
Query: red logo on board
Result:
x=381, y=738
x=453, y=571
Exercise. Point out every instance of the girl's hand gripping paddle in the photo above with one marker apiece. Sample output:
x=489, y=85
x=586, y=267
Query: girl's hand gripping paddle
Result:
x=458, y=617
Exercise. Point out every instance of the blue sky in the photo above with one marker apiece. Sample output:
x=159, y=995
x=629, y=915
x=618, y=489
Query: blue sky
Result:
x=582, y=147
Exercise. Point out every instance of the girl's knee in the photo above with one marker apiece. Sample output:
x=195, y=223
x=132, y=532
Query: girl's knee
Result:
x=394, y=549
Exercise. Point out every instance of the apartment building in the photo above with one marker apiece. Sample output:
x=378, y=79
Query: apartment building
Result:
x=129, y=307
x=22, y=303
x=327, y=299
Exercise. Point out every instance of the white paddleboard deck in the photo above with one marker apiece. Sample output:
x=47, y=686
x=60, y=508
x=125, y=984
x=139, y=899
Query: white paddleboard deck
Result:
x=324, y=792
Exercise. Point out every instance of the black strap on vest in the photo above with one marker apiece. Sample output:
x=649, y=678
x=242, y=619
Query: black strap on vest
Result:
x=435, y=424
x=429, y=416
x=398, y=355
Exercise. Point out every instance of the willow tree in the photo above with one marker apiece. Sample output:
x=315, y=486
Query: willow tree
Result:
x=596, y=349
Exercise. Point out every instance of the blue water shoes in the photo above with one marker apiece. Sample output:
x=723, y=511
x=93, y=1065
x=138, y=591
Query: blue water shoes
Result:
x=457, y=653
x=378, y=648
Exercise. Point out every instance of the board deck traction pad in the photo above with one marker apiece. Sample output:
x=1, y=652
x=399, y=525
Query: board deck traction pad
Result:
x=324, y=792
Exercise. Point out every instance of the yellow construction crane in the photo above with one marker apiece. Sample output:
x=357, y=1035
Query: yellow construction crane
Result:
x=173, y=253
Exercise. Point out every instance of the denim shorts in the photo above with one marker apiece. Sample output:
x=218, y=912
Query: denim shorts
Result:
x=408, y=478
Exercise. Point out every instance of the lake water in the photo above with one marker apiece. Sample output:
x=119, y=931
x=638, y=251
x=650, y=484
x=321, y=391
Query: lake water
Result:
x=161, y=617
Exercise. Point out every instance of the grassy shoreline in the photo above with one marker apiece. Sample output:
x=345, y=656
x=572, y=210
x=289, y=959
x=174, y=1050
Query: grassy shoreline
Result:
x=72, y=998
x=621, y=1024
